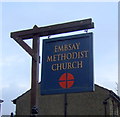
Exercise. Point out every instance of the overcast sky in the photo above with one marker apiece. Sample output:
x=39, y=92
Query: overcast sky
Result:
x=15, y=63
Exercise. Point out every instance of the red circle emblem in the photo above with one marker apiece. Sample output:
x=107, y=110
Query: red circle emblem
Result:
x=66, y=80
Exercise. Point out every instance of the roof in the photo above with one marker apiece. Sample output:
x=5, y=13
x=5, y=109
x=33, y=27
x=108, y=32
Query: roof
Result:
x=111, y=94
x=14, y=101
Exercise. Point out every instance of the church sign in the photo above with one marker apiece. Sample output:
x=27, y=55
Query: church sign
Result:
x=67, y=64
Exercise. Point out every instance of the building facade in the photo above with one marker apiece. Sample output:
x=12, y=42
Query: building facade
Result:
x=0, y=107
x=100, y=102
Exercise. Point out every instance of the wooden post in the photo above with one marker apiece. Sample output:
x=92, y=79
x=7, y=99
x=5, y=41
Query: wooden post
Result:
x=35, y=33
x=35, y=75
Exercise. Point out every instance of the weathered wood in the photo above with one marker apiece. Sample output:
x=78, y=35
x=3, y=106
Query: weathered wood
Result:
x=35, y=74
x=55, y=29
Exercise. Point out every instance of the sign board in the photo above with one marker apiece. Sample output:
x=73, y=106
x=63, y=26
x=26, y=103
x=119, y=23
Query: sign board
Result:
x=67, y=64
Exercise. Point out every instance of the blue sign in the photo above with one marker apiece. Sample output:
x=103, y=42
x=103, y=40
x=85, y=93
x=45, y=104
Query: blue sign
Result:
x=67, y=64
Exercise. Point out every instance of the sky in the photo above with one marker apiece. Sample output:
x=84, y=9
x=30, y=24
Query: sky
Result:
x=15, y=63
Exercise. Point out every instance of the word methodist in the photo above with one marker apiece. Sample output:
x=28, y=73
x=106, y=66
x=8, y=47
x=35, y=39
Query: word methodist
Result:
x=67, y=64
